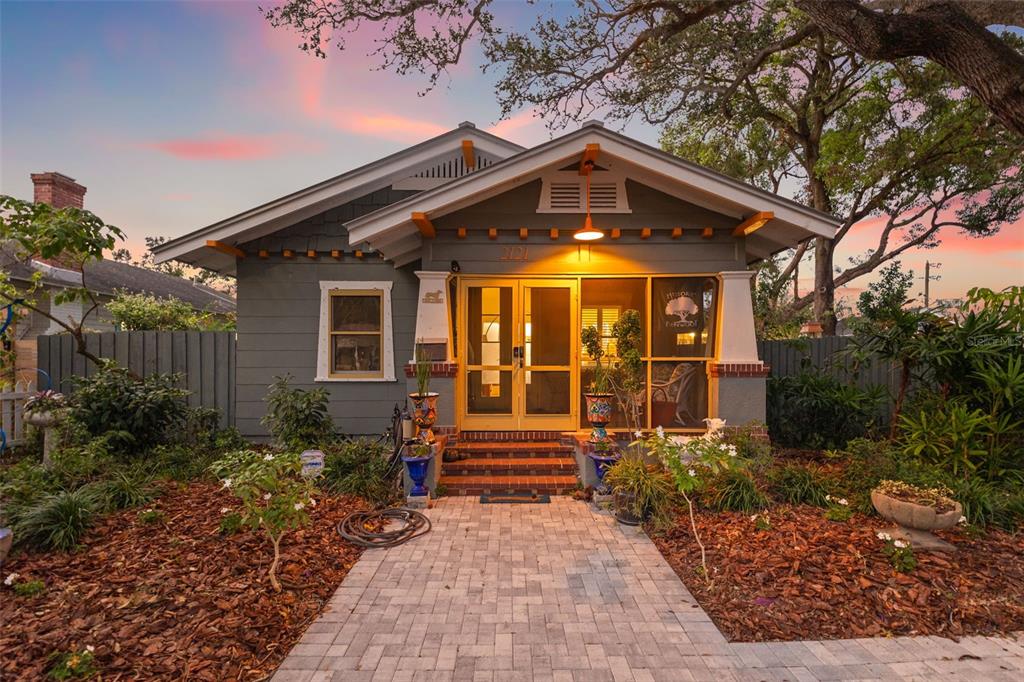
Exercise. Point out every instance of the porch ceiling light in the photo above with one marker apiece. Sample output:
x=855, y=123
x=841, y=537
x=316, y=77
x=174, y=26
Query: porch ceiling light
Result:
x=588, y=232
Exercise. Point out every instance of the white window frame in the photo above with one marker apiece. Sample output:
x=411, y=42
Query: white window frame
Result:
x=323, y=353
x=573, y=177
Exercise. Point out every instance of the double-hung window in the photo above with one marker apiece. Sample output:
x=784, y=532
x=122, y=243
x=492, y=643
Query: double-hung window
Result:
x=355, y=341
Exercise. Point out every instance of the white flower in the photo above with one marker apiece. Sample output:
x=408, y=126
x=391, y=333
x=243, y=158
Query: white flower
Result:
x=731, y=449
x=638, y=433
x=268, y=458
x=660, y=431
x=224, y=510
x=266, y=496
x=90, y=648
x=299, y=505
x=692, y=472
x=828, y=498
x=312, y=502
x=899, y=544
x=227, y=482
x=842, y=501
x=963, y=519
x=882, y=535
x=753, y=517
x=9, y=580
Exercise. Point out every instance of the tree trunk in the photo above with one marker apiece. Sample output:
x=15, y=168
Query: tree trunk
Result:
x=940, y=31
x=897, y=409
x=824, y=285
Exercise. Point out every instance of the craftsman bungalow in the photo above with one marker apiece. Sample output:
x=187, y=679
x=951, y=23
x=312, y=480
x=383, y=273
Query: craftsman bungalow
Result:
x=476, y=246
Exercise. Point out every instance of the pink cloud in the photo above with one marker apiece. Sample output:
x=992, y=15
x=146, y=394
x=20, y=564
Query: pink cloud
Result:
x=176, y=196
x=227, y=147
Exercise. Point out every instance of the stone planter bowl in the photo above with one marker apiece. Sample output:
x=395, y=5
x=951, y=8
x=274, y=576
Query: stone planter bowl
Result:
x=45, y=419
x=917, y=516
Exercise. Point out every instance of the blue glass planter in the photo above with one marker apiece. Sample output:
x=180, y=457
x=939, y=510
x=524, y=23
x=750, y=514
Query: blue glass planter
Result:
x=417, y=467
x=601, y=463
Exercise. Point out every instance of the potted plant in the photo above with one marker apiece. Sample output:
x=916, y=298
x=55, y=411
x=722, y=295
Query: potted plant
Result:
x=599, y=397
x=641, y=490
x=603, y=455
x=45, y=410
x=424, y=403
x=417, y=460
x=917, y=512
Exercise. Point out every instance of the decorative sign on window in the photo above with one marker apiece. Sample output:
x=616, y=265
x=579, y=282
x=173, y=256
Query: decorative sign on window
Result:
x=683, y=312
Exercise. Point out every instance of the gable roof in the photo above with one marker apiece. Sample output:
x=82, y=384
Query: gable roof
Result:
x=391, y=230
x=292, y=208
x=107, y=277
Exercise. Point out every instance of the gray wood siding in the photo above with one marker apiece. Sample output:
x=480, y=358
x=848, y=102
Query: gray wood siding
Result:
x=515, y=209
x=278, y=324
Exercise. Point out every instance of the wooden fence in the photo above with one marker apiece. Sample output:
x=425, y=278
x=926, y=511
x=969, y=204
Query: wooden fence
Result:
x=205, y=361
x=825, y=355
x=12, y=408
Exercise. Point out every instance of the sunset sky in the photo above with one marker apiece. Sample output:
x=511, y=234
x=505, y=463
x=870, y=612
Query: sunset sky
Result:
x=175, y=115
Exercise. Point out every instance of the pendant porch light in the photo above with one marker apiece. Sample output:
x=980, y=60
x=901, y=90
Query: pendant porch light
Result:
x=588, y=232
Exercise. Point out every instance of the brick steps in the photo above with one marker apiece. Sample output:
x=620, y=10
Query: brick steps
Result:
x=493, y=485
x=517, y=466
x=514, y=466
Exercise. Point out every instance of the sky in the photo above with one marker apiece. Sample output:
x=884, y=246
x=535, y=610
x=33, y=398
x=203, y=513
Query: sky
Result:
x=177, y=114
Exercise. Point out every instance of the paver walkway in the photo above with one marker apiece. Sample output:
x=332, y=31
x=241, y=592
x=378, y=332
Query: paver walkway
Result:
x=558, y=593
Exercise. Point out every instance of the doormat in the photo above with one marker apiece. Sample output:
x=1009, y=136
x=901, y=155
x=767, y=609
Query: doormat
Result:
x=515, y=498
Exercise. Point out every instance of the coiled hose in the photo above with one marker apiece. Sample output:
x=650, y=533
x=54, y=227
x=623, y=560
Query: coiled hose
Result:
x=354, y=527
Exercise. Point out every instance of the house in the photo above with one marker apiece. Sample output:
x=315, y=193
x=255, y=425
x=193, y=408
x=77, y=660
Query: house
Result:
x=104, y=277
x=474, y=247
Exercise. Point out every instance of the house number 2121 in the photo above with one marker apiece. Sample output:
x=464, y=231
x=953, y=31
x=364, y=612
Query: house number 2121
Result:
x=514, y=253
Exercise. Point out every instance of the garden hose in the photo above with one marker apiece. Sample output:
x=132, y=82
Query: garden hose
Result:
x=354, y=527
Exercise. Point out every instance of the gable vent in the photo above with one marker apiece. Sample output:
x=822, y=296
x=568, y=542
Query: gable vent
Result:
x=566, y=195
x=452, y=168
x=603, y=195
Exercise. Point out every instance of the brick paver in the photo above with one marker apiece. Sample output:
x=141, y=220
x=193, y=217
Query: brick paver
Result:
x=558, y=593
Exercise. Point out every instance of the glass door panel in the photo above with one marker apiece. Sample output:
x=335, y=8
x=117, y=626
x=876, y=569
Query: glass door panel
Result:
x=489, y=342
x=548, y=349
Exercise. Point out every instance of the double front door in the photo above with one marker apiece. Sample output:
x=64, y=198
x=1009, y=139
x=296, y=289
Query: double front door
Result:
x=517, y=346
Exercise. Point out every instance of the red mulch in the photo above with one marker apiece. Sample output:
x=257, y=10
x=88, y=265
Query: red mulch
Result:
x=810, y=578
x=174, y=600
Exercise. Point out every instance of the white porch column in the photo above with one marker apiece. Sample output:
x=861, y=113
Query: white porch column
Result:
x=738, y=340
x=432, y=309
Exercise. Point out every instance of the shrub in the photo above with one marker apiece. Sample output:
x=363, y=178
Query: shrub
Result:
x=649, y=484
x=57, y=520
x=817, y=411
x=142, y=312
x=180, y=462
x=869, y=462
x=734, y=490
x=200, y=426
x=749, y=441
x=124, y=489
x=23, y=483
x=360, y=467
x=230, y=523
x=273, y=493
x=297, y=418
x=983, y=502
x=797, y=484
x=134, y=414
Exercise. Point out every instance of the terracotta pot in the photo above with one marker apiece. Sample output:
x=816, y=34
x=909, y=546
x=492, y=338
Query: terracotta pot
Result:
x=600, y=407
x=424, y=414
x=917, y=516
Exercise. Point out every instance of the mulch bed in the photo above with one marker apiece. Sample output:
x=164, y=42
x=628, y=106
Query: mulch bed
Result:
x=174, y=599
x=810, y=578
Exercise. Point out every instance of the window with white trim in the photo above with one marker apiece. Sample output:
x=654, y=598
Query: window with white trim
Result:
x=355, y=341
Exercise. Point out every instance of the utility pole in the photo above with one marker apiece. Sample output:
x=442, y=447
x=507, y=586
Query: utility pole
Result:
x=928, y=277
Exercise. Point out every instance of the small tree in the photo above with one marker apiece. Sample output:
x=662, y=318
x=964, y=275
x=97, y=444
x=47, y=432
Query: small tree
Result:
x=274, y=495
x=143, y=312
x=591, y=339
x=71, y=236
x=629, y=377
x=297, y=418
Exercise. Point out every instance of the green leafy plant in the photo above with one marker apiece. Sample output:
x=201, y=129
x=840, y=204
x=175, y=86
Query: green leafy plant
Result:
x=297, y=418
x=648, y=484
x=749, y=439
x=361, y=468
x=275, y=497
x=838, y=509
x=733, y=490
x=899, y=552
x=628, y=377
x=591, y=339
x=424, y=368
x=762, y=521
x=181, y=462
x=134, y=414
x=230, y=523
x=57, y=520
x=45, y=401
x=124, y=489
x=75, y=664
x=143, y=312
x=819, y=411
x=151, y=516
x=691, y=461
x=25, y=588
x=799, y=484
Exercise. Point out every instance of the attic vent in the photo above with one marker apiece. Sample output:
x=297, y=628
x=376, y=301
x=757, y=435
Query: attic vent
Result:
x=454, y=167
x=566, y=195
x=603, y=195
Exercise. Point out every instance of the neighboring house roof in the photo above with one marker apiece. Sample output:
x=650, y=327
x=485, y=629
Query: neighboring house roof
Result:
x=391, y=230
x=109, y=276
x=292, y=208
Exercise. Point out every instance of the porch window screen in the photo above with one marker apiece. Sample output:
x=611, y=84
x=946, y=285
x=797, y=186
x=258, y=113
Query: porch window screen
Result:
x=356, y=333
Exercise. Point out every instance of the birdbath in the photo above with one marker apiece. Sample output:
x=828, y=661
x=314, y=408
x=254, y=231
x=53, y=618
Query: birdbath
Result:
x=47, y=420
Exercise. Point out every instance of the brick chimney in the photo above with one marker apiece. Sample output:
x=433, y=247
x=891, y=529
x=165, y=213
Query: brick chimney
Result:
x=57, y=190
